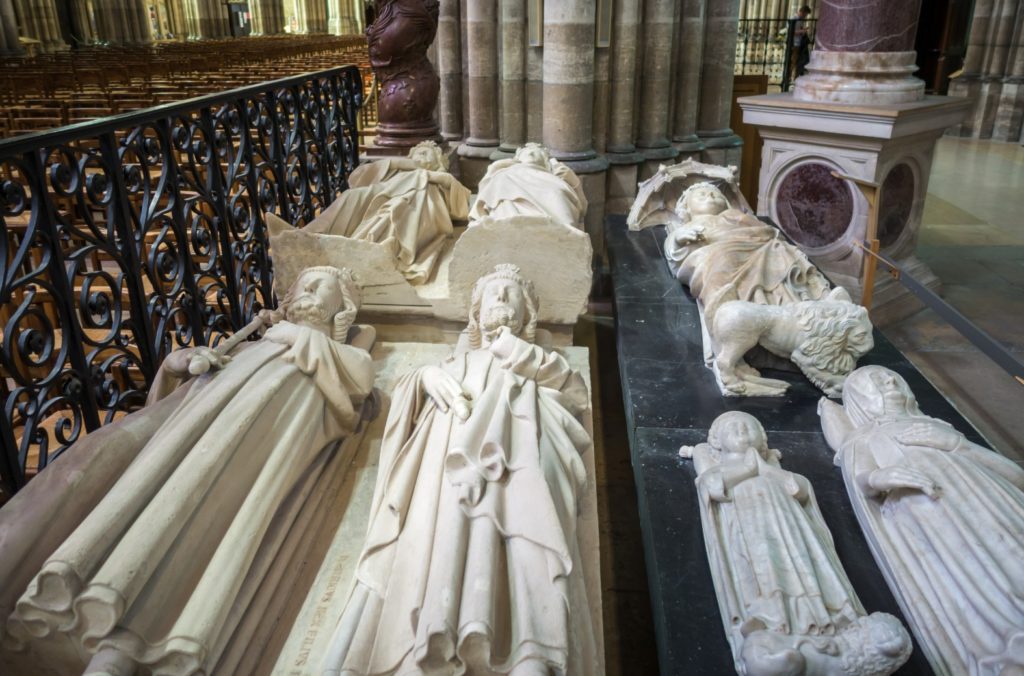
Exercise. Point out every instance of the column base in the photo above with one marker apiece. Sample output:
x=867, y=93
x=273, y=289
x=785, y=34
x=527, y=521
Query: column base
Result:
x=689, y=147
x=473, y=162
x=654, y=158
x=621, y=184
x=721, y=147
x=864, y=78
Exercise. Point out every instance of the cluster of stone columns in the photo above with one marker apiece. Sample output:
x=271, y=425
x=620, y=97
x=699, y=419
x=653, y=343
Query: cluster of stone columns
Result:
x=123, y=22
x=661, y=89
x=993, y=74
x=38, y=21
x=312, y=16
x=267, y=17
x=9, y=43
x=344, y=17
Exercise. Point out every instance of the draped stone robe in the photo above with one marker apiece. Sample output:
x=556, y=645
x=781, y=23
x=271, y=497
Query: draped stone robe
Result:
x=960, y=556
x=393, y=202
x=514, y=188
x=163, y=566
x=471, y=563
x=742, y=258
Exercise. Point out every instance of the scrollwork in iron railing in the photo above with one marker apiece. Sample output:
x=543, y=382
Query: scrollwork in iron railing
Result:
x=124, y=238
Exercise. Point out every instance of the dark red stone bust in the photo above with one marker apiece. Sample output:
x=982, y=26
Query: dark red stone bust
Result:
x=398, y=41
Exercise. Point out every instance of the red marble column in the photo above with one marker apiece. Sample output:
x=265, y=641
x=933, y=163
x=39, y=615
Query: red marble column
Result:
x=864, y=54
x=867, y=26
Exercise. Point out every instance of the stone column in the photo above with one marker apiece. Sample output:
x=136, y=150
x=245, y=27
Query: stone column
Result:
x=449, y=69
x=9, y=43
x=143, y=26
x=864, y=53
x=256, y=9
x=690, y=55
x=482, y=83
x=176, y=19
x=656, y=87
x=993, y=73
x=1010, y=113
x=513, y=77
x=721, y=145
x=620, y=151
x=568, y=102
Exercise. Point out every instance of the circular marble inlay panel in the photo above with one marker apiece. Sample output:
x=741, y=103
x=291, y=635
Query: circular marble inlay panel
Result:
x=814, y=207
x=897, y=202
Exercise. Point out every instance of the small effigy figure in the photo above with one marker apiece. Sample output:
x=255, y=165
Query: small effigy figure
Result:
x=786, y=602
x=531, y=184
x=944, y=518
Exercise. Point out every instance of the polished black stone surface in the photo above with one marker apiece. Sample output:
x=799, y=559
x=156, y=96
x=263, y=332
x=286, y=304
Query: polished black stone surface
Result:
x=671, y=399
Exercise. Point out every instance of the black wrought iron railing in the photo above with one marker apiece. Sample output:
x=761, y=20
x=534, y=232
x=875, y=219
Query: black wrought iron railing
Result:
x=769, y=47
x=124, y=238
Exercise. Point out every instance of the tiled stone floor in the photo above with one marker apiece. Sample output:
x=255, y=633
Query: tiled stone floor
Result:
x=972, y=237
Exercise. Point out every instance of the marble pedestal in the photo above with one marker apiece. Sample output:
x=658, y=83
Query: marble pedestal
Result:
x=891, y=144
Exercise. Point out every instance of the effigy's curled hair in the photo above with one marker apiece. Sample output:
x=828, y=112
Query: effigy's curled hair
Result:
x=681, y=203
x=440, y=160
x=513, y=273
x=350, y=289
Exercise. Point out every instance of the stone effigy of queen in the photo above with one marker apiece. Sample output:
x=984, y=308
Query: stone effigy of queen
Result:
x=471, y=563
x=155, y=575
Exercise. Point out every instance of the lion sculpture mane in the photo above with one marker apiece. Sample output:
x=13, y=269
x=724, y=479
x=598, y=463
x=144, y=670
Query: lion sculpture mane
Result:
x=824, y=338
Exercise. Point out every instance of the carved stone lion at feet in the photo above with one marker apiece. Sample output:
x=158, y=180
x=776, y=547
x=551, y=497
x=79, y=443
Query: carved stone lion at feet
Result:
x=824, y=338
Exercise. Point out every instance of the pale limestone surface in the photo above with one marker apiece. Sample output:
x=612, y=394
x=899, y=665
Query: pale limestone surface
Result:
x=657, y=197
x=474, y=528
x=556, y=255
x=754, y=288
x=823, y=338
x=406, y=205
x=165, y=567
x=784, y=597
x=309, y=639
x=944, y=518
x=530, y=184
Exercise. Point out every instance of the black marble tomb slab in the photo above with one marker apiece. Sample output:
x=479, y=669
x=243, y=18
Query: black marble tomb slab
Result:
x=671, y=398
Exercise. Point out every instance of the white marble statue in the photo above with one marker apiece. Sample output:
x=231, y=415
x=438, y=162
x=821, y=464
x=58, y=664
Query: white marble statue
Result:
x=531, y=184
x=725, y=254
x=408, y=204
x=657, y=197
x=944, y=518
x=159, y=573
x=471, y=562
x=770, y=293
x=824, y=338
x=785, y=600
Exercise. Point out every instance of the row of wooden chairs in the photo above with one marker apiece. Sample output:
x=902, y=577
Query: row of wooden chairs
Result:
x=162, y=74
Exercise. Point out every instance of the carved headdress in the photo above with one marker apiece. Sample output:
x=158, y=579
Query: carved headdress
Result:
x=509, y=272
